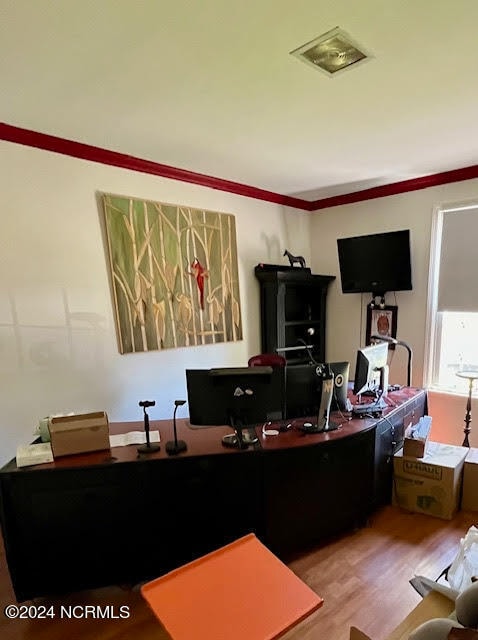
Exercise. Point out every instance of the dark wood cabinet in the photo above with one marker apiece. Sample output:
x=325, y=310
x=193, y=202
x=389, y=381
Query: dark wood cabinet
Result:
x=314, y=492
x=206, y=502
x=293, y=309
x=72, y=529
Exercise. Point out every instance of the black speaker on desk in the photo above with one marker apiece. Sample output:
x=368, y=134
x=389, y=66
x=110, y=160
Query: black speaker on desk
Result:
x=304, y=387
x=316, y=402
x=326, y=379
x=341, y=371
x=325, y=392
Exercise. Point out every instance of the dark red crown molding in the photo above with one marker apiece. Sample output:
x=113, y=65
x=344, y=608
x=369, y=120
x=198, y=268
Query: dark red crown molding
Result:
x=88, y=152
x=393, y=189
x=115, y=159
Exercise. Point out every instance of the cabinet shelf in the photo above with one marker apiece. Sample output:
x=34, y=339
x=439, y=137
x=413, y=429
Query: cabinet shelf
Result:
x=293, y=306
x=292, y=323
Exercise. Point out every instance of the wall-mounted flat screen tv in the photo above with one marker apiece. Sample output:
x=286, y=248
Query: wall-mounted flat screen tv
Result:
x=375, y=263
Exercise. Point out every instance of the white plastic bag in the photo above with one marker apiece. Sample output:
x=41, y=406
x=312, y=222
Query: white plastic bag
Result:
x=465, y=566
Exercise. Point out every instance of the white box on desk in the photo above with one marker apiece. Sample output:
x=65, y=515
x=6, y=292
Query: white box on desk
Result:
x=431, y=484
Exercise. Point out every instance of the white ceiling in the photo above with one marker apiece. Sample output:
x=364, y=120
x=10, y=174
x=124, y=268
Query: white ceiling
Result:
x=209, y=86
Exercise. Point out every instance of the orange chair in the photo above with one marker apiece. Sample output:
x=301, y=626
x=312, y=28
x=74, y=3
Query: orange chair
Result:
x=267, y=360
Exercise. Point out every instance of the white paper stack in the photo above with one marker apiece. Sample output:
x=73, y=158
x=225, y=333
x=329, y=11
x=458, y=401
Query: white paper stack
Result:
x=133, y=437
x=29, y=454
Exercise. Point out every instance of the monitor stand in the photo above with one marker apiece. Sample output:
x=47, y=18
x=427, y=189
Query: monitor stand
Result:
x=376, y=407
x=323, y=423
x=242, y=437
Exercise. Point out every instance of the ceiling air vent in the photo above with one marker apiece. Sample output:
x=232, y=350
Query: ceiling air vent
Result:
x=332, y=52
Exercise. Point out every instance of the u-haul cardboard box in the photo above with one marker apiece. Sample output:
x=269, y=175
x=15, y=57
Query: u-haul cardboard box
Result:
x=430, y=484
x=469, y=501
x=433, y=605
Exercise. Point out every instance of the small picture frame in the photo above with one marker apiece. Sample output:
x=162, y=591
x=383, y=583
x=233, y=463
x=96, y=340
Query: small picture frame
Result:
x=381, y=321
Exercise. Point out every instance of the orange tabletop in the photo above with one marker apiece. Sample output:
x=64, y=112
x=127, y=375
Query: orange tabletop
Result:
x=240, y=591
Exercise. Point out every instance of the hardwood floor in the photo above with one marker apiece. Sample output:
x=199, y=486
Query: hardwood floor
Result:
x=362, y=576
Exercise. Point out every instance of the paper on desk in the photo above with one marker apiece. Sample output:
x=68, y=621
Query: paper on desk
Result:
x=132, y=437
x=31, y=454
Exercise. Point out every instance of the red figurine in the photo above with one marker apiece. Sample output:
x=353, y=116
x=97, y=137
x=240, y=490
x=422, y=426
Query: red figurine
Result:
x=199, y=274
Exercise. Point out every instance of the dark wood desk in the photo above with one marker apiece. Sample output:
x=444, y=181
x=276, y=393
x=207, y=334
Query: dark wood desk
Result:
x=116, y=517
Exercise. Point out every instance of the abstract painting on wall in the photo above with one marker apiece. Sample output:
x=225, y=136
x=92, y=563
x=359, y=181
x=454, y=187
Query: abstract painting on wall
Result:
x=173, y=272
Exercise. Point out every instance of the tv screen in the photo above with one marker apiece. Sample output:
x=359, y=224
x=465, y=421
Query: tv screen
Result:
x=375, y=263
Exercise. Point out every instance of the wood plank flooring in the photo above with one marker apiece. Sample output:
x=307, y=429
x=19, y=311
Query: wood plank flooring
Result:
x=362, y=576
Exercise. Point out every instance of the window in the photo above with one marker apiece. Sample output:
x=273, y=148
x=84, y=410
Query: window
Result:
x=453, y=297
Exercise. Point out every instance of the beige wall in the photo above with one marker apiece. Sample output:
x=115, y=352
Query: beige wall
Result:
x=58, y=350
x=346, y=313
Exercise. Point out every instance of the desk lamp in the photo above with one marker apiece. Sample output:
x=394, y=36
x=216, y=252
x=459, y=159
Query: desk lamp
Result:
x=469, y=375
x=148, y=447
x=402, y=344
x=173, y=447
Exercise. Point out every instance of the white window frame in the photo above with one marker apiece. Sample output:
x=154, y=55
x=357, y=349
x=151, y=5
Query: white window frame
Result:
x=434, y=319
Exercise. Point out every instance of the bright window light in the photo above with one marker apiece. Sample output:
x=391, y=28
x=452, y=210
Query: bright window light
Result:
x=452, y=327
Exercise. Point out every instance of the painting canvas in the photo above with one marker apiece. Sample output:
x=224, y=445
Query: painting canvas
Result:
x=381, y=321
x=173, y=272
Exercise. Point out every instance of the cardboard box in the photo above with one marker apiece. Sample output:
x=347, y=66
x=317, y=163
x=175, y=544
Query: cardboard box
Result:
x=469, y=500
x=415, y=442
x=79, y=433
x=431, y=484
x=433, y=605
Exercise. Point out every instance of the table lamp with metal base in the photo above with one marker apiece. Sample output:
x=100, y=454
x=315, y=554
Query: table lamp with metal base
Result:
x=469, y=375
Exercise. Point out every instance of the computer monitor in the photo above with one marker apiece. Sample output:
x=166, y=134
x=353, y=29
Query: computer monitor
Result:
x=246, y=395
x=371, y=369
x=304, y=388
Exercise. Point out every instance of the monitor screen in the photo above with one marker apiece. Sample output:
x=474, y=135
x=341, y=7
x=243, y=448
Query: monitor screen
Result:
x=248, y=395
x=303, y=388
x=375, y=263
x=370, y=362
